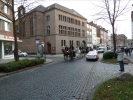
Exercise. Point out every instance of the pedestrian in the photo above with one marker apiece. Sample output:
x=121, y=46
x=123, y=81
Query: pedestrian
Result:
x=14, y=54
x=120, y=57
x=126, y=51
x=129, y=51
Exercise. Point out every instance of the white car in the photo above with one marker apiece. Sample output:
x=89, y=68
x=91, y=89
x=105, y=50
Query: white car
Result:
x=23, y=54
x=92, y=55
x=101, y=49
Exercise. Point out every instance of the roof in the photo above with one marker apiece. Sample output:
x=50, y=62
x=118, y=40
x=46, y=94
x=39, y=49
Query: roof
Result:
x=70, y=11
x=57, y=6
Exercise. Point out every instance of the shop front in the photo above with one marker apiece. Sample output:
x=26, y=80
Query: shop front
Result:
x=7, y=46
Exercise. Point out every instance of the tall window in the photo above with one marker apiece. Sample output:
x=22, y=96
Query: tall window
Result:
x=48, y=17
x=23, y=28
x=48, y=30
x=31, y=26
x=6, y=10
x=83, y=24
x=83, y=33
x=7, y=26
x=0, y=24
x=78, y=43
x=0, y=6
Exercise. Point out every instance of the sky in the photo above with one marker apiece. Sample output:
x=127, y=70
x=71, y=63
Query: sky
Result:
x=88, y=9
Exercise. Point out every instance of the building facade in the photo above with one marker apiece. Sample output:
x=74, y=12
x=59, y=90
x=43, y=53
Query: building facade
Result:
x=56, y=25
x=120, y=39
x=132, y=25
x=101, y=34
x=6, y=30
x=89, y=36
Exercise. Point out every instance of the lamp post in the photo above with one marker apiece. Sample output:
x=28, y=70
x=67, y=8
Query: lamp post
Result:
x=44, y=42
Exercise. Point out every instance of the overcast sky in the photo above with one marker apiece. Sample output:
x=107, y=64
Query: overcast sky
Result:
x=87, y=8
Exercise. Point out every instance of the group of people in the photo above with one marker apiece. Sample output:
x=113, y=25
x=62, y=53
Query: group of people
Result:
x=128, y=51
x=71, y=48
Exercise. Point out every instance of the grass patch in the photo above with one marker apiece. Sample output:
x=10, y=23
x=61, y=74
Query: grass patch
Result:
x=113, y=60
x=110, y=60
x=115, y=89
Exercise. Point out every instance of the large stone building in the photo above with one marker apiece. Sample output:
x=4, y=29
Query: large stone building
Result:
x=56, y=25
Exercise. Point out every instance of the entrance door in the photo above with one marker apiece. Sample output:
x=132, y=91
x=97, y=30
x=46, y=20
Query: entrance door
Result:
x=49, y=48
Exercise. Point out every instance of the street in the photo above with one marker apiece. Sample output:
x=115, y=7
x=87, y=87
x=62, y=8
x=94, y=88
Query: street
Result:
x=59, y=80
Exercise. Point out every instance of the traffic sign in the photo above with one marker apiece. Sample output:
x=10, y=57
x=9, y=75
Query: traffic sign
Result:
x=42, y=42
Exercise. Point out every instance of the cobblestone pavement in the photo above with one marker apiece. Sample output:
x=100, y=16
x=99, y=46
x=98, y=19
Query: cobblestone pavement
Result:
x=58, y=81
x=99, y=73
x=70, y=80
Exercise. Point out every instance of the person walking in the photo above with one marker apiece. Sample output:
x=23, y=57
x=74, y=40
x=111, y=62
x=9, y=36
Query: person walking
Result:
x=120, y=57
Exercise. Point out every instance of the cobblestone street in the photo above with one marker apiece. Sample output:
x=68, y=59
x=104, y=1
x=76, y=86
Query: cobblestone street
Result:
x=60, y=80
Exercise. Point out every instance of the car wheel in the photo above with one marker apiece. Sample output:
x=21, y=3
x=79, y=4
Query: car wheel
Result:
x=22, y=55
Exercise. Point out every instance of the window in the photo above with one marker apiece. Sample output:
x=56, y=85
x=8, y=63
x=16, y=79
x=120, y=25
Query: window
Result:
x=61, y=42
x=6, y=9
x=48, y=30
x=83, y=33
x=0, y=6
x=83, y=24
x=87, y=32
x=48, y=17
x=31, y=26
x=23, y=28
x=7, y=26
x=0, y=24
x=7, y=48
x=78, y=43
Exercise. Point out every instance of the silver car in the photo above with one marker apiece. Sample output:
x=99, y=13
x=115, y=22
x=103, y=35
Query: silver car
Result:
x=92, y=55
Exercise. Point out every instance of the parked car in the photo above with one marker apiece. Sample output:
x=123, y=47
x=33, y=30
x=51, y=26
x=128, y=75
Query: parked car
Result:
x=101, y=49
x=23, y=54
x=92, y=55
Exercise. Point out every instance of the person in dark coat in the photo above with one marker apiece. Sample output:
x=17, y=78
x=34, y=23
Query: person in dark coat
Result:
x=72, y=48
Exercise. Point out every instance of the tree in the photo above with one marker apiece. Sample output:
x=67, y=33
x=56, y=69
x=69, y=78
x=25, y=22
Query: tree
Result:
x=11, y=5
x=110, y=11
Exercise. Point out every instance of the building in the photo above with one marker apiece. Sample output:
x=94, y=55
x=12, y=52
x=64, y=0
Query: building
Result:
x=89, y=36
x=56, y=25
x=6, y=30
x=129, y=42
x=101, y=33
x=120, y=39
x=132, y=25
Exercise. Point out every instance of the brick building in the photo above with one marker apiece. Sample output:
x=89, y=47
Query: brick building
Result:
x=6, y=29
x=56, y=25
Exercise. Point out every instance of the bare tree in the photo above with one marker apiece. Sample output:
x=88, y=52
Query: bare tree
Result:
x=12, y=4
x=110, y=11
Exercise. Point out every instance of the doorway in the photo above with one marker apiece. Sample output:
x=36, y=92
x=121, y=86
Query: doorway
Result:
x=49, y=47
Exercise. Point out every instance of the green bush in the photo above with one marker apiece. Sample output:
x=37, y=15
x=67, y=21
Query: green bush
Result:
x=108, y=55
x=13, y=66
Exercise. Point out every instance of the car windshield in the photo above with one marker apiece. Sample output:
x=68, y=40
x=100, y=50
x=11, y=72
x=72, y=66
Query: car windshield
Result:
x=92, y=52
x=101, y=48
